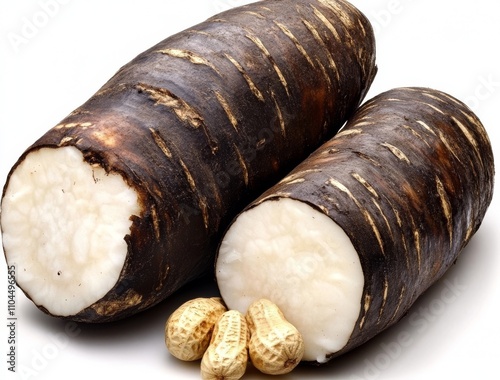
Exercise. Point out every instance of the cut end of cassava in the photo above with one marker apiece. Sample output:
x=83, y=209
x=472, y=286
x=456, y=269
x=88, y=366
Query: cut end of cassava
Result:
x=64, y=222
x=296, y=256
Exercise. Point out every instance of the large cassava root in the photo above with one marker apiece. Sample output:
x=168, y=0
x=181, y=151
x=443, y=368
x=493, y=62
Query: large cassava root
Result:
x=347, y=242
x=172, y=147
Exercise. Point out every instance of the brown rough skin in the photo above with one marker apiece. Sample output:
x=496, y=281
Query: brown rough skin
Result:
x=203, y=122
x=409, y=180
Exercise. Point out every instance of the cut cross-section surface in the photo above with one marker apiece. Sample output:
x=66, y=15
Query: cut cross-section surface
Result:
x=294, y=255
x=64, y=224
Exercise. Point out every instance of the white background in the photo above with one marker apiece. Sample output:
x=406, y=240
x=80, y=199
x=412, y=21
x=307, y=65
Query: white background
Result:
x=51, y=67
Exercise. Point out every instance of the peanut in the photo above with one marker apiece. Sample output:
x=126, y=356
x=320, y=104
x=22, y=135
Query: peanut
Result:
x=227, y=356
x=276, y=347
x=188, y=330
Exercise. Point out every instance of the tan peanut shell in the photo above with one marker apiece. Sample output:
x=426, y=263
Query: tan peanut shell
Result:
x=227, y=356
x=276, y=347
x=189, y=329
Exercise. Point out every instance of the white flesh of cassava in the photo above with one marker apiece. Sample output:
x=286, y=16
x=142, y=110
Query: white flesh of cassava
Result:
x=64, y=223
x=294, y=255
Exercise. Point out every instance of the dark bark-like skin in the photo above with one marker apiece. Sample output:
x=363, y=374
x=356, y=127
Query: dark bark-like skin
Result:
x=203, y=122
x=409, y=180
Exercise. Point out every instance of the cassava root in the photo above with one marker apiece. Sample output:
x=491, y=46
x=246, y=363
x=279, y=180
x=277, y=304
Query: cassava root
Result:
x=125, y=200
x=347, y=242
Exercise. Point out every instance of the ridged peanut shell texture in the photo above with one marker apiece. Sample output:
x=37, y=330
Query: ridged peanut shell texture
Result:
x=227, y=356
x=188, y=330
x=276, y=346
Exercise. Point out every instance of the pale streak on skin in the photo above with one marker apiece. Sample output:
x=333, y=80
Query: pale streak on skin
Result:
x=299, y=175
x=402, y=235
x=223, y=102
x=265, y=8
x=384, y=217
x=155, y=190
x=451, y=98
x=156, y=222
x=190, y=56
x=367, y=108
x=401, y=297
x=325, y=74
x=363, y=123
x=384, y=299
x=279, y=194
x=74, y=125
x=446, y=205
x=365, y=183
x=469, y=137
x=477, y=123
x=324, y=209
x=327, y=23
x=416, y=134
x=296, y=42
x=330, y=201
x=366, y=307
x=397, y=152
x=194, y=31
x=429, y=129
x=247, y=78
x=243, y=165
x=294, y=181
x=448, y=146
x=396, y=214
x=468, y=234
x=329, y=151
x=416, y=237
x=182, y=110
x=104, y=136
x=365, y=212
x=65, y=140
x=189, y=177
x=258, y=15
x=192, y=184
x=352, y=11
x=279, y=114
x=362, y=27
x=370, y=159
x=349, y=132
x=362, y=181
x=264, y=50
x=433, y=107
x=161, y=143
x=344, y=19
x=318, y=38
x=432, y=96
x=340, y=12
x=478, y=127
x=108, y=308
x=202, y=204
x=405, y=246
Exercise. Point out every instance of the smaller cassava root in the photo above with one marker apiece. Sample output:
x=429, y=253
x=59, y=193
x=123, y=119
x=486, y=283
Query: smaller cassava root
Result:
x=349, y=240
